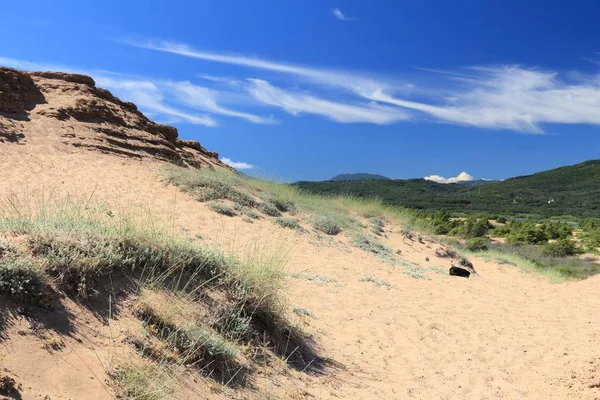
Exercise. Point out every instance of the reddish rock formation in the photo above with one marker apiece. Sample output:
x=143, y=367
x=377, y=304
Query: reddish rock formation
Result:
x=77, y=113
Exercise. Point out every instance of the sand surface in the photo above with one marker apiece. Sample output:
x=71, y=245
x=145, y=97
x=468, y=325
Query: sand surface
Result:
x=506, y=335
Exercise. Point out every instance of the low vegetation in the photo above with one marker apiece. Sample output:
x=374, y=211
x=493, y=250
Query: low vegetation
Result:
x=590, y=234
x=550, y=246
x=376, y=281
x=477, y=244
x=274, y=199
x=371, y=244
x=72, y=246
x=377, y=225
x=290, y=223
x=326, y=224
x=22, y=279
x=221, y=209
x=561, y=248
x=143, y=382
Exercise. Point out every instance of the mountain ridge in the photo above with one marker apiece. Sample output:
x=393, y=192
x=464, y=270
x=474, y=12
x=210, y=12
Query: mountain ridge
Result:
x=359, y=176
x=566, y=190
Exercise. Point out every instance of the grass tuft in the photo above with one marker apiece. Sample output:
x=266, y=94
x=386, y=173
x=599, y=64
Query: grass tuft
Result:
x=326, y=224
x=376, y=281
x=372, y=245
x=207, y=186
x=143, y=382
x=377, y=225
x=290, y=223
x=270, y=209
x=303, y=312
x=221, y=208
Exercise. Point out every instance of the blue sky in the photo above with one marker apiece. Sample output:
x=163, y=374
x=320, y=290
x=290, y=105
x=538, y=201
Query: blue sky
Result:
x=304, y=90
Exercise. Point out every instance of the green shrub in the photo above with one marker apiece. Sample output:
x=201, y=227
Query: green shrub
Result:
x=591, y=233
x=566, y=271
x=222, y=209
x=251, y=214
x=290, y=223
x=555, y=230
x=7, y=248
x=477, y=244
x=522, y=233
x=589, y=224
x=326, y=224
x=442, y=223
x=560, y=248
x=591, y=239
x=501, y=219
x=472, y=228
x=530, y=257
x=21, y=279
x=270, y=209
x=283, y=205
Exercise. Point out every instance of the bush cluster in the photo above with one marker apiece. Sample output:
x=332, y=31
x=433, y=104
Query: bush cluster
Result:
x=591, y=233
x=528, y=232
x=472, y=227
x=21, y=279
x=561, y=248
x=477, y=244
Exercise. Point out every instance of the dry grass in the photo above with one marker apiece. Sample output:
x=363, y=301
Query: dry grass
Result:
x=73, y=244
x=278, y=197
x=146, y=381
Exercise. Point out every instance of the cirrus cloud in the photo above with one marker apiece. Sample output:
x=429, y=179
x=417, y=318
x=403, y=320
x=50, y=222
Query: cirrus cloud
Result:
x=341, y=16
x=499, y=97
x=165, y=100
x=297, y=103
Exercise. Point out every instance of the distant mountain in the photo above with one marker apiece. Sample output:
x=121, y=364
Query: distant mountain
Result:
x=358, y=177
x=571, y=190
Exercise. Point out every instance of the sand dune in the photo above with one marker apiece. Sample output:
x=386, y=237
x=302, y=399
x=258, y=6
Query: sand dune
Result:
x=505, y=335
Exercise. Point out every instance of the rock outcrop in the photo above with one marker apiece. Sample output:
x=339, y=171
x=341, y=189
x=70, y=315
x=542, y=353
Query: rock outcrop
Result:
x=74, y=112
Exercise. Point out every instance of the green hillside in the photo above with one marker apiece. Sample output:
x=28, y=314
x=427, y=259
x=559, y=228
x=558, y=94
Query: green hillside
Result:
x=572, y=190
x=358, y=177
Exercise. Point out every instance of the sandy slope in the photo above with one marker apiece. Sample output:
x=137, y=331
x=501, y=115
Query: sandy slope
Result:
x=506, y=335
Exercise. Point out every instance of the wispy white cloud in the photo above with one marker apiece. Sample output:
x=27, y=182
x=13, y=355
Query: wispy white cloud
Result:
x=462, y=177
x=205, y=99
x=498, y=97
x=330, y=77
x=298, y=103
x=508, y=97
x=341, y=16
x=237, y=164
x=514, y=98
x=158, y=98
x=147, y=96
